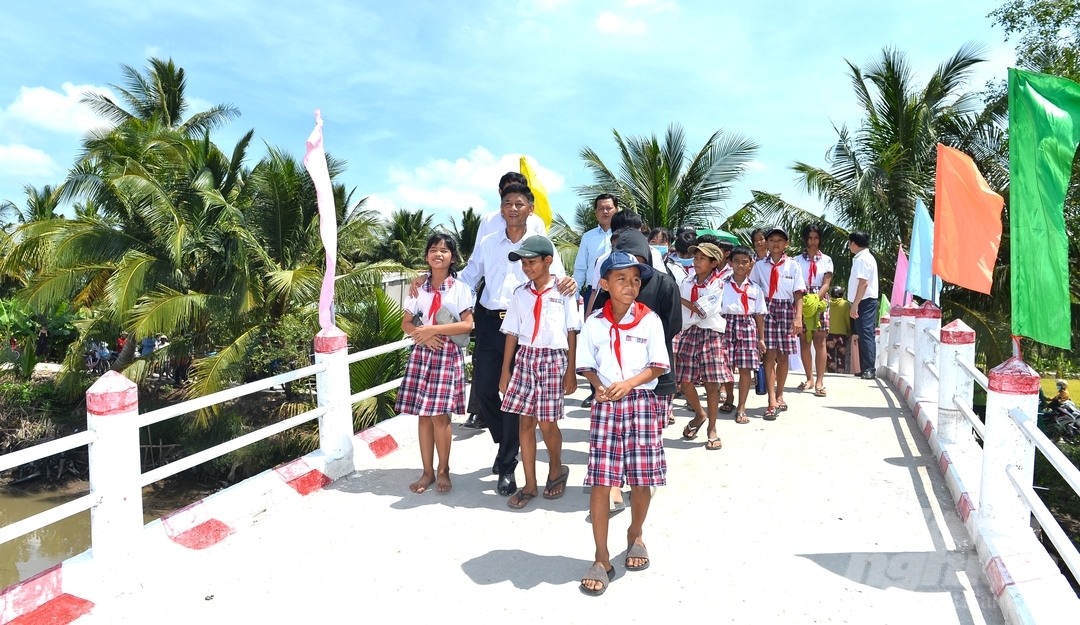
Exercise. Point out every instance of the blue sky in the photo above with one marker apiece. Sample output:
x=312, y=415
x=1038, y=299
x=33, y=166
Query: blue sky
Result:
x=430, y=102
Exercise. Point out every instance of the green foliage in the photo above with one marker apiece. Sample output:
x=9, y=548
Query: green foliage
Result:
x=369, y=325
x=663, y=182
x=1058, y=494
x=465, y=235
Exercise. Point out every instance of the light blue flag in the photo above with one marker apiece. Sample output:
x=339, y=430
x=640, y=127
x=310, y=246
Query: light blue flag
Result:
x=920, y=278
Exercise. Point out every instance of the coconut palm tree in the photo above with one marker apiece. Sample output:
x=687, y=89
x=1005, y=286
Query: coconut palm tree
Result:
x=403, y=238
x=41, y=205
x=465, y=234
x=665, y=184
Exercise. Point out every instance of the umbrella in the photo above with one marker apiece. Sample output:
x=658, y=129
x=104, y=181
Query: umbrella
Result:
x=720, y=234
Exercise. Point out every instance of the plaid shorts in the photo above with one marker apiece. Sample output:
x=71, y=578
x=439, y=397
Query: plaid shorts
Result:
x=778, y=322
x=740, y=342
x=701, y=357
x=434, y=382
x=536, y=386
x=626, y=443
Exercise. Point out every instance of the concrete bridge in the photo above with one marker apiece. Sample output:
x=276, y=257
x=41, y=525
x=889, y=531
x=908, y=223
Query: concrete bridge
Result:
x=850, y=508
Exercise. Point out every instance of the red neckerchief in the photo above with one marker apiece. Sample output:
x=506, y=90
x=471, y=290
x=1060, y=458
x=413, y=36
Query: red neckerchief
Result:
x=813, y=267
x=436, y=297
x=637, y=311
x=743, y=293
x=698, y=287
x=774, y=276
x=537, y=307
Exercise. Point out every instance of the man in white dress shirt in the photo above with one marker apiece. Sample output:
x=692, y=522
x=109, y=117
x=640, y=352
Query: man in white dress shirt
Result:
x=863, y=294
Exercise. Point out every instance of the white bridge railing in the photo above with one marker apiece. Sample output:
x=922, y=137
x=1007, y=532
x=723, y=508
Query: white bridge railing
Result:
x=933, y=367
x=112, y=437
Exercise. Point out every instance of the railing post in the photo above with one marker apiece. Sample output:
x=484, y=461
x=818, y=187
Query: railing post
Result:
x=927, y=319
x=896, y=316
x=957, y=340
x=1013, y=384
x=334, y=389
x=882, y=338
x=907, y=340
x=112, y=412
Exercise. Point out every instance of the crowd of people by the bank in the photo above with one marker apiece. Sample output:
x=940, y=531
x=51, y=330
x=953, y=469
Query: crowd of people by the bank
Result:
x=644, y=314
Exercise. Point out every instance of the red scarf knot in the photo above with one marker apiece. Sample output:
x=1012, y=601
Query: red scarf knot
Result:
x=637, y=311
x=745, y=298
x=774, y=276
x=538, y=306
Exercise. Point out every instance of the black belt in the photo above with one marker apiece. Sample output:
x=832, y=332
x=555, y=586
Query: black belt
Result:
x=501, y=314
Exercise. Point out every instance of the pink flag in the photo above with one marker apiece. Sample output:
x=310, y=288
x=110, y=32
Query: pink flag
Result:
x=900, y=296
x=315, y=161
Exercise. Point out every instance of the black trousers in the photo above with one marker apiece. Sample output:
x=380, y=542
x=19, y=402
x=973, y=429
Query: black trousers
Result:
x=487, y=368
x=864, y=329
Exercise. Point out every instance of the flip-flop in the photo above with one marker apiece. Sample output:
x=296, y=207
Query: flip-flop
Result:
x=596, y=573
x=770, y=414
x=727, y=407
x=819, y=391
x=714, y=440
x=802, y=386
x=522, y=498
x=691, y=430
x=559, y=480
x=742, y=417
x=781, y=406
x=636, y=550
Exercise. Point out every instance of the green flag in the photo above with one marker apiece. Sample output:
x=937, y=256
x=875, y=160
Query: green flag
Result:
x=1044, y=130
x=883, y=307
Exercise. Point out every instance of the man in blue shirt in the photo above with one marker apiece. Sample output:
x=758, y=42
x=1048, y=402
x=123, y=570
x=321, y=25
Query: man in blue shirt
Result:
x=594, y=244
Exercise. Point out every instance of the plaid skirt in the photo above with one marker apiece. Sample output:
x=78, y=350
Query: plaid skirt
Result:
x=434, y=382
x=741, y=342
x=778, y=322
x=626, y=444
x=536, y=386
x=700, y=357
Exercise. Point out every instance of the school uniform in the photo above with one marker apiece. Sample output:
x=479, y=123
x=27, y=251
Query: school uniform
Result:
x=700, y=352
x=541, y=320
x=625, y=442
x=434, y=381
x=781, y=281
x=814, y=270
x=738, y=305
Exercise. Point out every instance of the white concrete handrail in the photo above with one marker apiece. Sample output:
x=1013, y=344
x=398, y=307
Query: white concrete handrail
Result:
x=972, y=418
x=48, y=517
x=979, y=376
x=44, y=450
x=1047, y=522
x=379, y=351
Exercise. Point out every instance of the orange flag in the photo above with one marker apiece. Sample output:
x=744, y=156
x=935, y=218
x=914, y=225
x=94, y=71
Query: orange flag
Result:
x=967, y=222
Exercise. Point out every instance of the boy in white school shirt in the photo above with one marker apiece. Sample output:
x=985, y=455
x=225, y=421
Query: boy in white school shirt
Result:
x=622, y=351
x=541, y=327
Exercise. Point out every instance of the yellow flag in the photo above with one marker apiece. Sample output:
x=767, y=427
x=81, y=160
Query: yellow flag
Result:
x=541, y=207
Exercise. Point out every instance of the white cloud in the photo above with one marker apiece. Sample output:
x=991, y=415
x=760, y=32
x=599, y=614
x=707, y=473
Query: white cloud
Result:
x=755, y=166
x=468, y=181
x=25, y=161
x=608, y=22
x=56, y=111
x=380, y=204
x=654, y=5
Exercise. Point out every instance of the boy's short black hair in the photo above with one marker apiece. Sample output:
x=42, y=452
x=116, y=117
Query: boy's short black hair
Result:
x=860, y=238
x=837, y=292
x=625, y=218
x=743, y=250
x=684, y=240
x=725, y=245
x=516, y=187
x=709, y=238
x=512, y=177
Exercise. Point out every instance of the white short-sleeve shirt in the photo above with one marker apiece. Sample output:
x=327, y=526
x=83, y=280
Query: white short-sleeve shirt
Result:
x=456, y=296
x=501, y=275
x=558, y=316
x=822, y=264
x=791, y=277
x=641, y=347
x=863, y=265
x=731, y=300
x=709, y=296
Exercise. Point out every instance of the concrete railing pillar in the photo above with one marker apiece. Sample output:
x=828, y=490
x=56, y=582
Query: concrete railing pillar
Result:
x=927, y=326
x=112, y=412
x=896, y=316
x=882, y=337
x=907, y=341
x=1013, y=385
x=334, y=390
x=957, y=340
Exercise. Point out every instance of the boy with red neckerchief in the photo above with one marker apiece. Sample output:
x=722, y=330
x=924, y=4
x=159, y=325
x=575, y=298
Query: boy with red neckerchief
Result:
x=781, y=279
x=743, y=308
x=622, y=351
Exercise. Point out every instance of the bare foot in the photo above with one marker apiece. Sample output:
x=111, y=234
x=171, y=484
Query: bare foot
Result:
x=420, y=485
x=442, y=484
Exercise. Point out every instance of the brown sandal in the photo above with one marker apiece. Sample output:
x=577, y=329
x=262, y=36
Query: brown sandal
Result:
x=742, y=418
x=819, y=391
x=691, y=430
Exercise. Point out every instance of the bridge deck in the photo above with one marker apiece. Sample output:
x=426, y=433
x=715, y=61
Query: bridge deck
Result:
x=834, y=513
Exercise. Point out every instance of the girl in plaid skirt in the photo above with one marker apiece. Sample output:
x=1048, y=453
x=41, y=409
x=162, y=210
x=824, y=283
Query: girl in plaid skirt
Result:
x=817, y=269
x=743, y=308
x=434, y=383
x=782, y=281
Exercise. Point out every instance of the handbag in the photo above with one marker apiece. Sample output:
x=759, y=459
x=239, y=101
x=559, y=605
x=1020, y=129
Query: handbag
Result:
x=443, y=316
x=760, y=388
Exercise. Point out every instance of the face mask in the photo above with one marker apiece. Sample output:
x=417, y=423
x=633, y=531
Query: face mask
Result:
x=685, y=262
x=661, y=248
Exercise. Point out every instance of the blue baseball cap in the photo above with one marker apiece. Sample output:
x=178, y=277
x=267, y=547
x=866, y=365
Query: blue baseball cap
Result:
x=622, y=260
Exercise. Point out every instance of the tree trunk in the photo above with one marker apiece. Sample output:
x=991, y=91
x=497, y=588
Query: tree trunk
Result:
x=127, y=355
